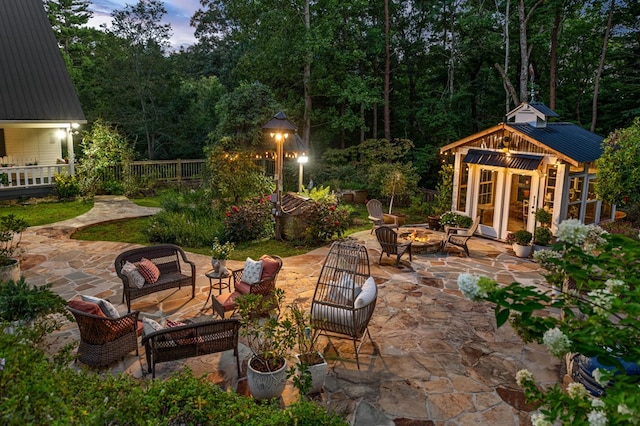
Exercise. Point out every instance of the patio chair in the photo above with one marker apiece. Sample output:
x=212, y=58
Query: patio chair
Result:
x=271, y=265
x=388, y=239
x=460, y=236
x=345, y=295
x=104, y=340
x=374, y=207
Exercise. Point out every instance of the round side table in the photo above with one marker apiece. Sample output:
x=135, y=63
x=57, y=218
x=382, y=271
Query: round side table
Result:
x=217, y=281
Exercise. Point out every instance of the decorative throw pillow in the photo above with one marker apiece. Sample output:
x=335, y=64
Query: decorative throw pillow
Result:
x=86, y=307
x=367, y=295
x=252, y=271
x=107, y=308
x=344, y=291
x=269, y=267
x=148, y=270
x=133, y=275
x=150, y=326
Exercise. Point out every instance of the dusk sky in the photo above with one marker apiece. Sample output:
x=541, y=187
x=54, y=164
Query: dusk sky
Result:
x=179, y=12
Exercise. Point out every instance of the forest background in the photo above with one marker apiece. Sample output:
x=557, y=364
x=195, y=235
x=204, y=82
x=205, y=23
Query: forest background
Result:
x=346, y=71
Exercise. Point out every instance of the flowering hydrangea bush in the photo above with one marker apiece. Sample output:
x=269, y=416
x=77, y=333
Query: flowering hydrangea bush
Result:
x=591, y=307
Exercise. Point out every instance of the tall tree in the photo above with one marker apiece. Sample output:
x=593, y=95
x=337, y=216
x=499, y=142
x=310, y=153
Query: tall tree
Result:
x=147, y=41
x=596, y=89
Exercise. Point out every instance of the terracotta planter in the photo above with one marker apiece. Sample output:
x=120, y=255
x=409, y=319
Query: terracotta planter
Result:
x=266, y=385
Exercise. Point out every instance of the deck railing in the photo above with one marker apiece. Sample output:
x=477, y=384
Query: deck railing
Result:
x=30, y=176
x=166, y=170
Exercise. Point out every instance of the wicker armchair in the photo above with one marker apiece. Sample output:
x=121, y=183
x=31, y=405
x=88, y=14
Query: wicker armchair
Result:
x=105, y=340
x=388, y=239
x=374, y=207
x=227, y=302
x=335, y=310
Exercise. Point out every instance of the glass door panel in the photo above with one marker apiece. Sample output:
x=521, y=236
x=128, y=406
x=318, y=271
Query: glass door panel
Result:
x=487, y=196
x=519, y=194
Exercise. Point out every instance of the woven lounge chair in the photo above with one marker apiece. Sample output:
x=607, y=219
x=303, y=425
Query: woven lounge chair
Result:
x=338, y=308
x=388, y=239
x=460, y=236
x=105, y=340
x=374, y=207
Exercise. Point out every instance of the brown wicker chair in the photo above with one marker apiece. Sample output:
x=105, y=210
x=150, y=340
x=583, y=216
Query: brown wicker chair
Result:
x=226, y=302
x=460, y=236
x=191, y=340
x=168, y=258
x=388, y=239
x=105, y=340
x=374, y=207
x=333, y=310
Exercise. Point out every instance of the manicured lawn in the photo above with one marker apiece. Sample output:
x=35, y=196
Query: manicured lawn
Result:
x=45, y=212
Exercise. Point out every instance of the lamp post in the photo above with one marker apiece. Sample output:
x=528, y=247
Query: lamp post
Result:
x=279, y=128
x=302, y=160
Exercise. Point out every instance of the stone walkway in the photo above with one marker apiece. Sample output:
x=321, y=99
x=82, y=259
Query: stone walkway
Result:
x=437, y=358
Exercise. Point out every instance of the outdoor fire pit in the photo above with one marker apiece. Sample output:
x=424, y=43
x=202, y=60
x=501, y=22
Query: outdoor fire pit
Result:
x=423, y=241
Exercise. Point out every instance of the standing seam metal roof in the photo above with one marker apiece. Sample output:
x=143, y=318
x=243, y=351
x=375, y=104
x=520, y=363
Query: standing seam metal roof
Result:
x=569, y=139
x=513, y=161
x=35, y=84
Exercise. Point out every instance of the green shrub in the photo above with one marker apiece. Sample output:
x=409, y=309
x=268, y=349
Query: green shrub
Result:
x=20, y=301
x=37, y=391
x=622, y=228
x=542, y=236
x=464, y=221
x=249, y=221
x=183, y=229
x=66, y=186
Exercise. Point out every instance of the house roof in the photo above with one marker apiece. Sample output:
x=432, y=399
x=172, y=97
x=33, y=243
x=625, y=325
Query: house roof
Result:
x=568, y=141
x=35, y=85
x=572, y=141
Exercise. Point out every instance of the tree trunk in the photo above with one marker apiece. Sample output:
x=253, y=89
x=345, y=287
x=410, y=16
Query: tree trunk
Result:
x=553, y=58
x=374, y=128
x=509, y=87
x=596, y=89
x=306, y=131
x=523, y=21
x=387, y=73
x=505, y=81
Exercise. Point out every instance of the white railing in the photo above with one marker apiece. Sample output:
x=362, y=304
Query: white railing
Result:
x=30, y=176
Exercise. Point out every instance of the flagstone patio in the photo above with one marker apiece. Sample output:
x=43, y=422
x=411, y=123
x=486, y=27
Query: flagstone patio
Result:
x=436, y=358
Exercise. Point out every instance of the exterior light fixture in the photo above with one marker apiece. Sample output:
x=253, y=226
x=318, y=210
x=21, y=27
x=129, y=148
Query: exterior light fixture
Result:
x=279, y=128
x=302, y=160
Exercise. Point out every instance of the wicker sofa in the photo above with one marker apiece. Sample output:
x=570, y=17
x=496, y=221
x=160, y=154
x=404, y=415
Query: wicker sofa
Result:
x=170, y=260
x=191, y=340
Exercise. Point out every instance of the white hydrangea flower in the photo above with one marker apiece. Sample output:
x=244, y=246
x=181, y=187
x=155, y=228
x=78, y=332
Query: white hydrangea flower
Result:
x=572, y=231
x=597, y=403
x=523, y=377
x=597, y=418
x=597, y=376
x=556, y=341
x=468, y=285
x=538, y=419
x=602, y=300
x=615, y=286
x=577, y=391
x=545, y=259
x=594, y=238
x=623, y=409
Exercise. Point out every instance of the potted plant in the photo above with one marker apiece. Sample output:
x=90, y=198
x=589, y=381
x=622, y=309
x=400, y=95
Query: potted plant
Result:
x=541, y=237
x=520, y=241
x=11, y=229
x=22, y=304
x=311, y=366
x=220, y=253
x=270, y=337
x=464, y=221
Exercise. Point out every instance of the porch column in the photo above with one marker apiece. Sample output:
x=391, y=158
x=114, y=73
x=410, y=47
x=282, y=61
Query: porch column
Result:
x=72, y=156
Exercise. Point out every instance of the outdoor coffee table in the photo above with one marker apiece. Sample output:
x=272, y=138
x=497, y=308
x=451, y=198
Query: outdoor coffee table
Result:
x=422, y=240
x=217, y=281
